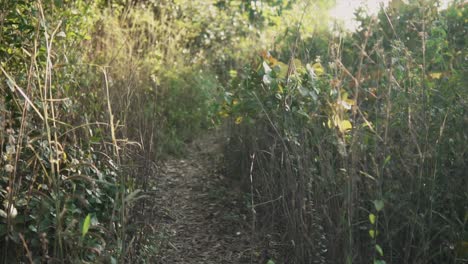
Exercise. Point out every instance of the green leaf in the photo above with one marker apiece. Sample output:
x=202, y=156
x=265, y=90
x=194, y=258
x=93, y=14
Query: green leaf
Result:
x=378, y=261
x=270, y=262
x=387, y=160
x=86, y=224
x=372, y=233
x=32, y=228
x=379, y=205
x=379, y=249
x=372, y=218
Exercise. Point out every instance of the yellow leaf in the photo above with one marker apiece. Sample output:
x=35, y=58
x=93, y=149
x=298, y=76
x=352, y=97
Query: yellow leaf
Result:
x=238, y=120
x=233, y=73
x=272, y=61
x=268, y=58
x=345, y=125
x=223, y=114
x=298, y=64
x=283, y=69
x=280, y=89
x=350, y=101
x=318, y=68
x=435, y=75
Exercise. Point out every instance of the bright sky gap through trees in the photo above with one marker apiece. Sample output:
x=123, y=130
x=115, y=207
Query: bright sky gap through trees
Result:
x=345, y=9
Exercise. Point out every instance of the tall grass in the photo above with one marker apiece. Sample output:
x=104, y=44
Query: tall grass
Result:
x=81, y=128
x=358, y=154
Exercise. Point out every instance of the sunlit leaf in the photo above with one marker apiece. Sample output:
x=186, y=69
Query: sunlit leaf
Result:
x=435, y=75
x=86, y=224
x=280, y=89
x=350, y=101
x=318, y=69
x=266, y=68
x=223, y=114
x=298, y=65
x=372, y=218
x=372, y=233
x=233, y=73
x=345, y=125
x=283, y=69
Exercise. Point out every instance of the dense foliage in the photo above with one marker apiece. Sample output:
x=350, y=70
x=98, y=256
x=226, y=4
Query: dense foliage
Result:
x=350, y=146
x=92, y=92
x=358, y=149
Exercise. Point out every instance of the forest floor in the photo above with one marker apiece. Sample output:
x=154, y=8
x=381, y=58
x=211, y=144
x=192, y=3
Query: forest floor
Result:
x=203, y=215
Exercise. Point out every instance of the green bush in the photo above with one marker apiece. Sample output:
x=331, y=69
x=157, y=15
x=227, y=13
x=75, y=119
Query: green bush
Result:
x=187, y=107
x=334, y=136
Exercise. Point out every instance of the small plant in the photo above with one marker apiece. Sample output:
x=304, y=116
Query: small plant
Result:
x=373, y=231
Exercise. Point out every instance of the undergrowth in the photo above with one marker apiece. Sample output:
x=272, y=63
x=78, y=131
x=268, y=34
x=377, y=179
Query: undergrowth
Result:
x=351, y=146
x=358, y=147
x=93, y=96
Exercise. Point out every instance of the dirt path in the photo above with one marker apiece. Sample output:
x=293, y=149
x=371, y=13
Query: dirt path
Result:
x=199, y=216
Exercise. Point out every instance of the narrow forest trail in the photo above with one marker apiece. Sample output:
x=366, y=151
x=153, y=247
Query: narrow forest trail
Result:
x=199, y=214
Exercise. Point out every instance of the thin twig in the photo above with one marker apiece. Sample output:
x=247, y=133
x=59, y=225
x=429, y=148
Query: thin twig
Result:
x=252, y=203
x=23, y=94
